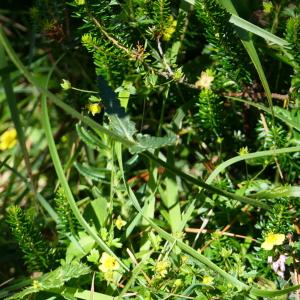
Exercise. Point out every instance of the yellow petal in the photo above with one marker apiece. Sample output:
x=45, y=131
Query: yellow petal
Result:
x=8, y=139
x=273, y=239
x=267, y=246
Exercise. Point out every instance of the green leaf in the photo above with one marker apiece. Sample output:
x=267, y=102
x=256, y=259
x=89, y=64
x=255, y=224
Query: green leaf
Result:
x=99, y=206
x=146, y=142
x=268, y=36
x=86, y=244
x=169, y=196
x=84, y=294
x=54, y=279
x=90, y=138
x=99, y=174
x=122, y=126
x=93, y=256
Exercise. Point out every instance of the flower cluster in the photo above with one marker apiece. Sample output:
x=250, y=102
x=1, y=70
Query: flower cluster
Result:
x=161, y=268
x=169, y=31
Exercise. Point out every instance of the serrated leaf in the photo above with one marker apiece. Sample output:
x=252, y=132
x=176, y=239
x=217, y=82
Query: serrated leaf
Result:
x=89, y=138
x=146, y=142
x=54, y=279
x=86, y=244
x=119, y=121
x=99, y=174
x=122, y=126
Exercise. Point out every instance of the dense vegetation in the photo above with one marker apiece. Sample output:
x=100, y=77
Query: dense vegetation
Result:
x=150, y=149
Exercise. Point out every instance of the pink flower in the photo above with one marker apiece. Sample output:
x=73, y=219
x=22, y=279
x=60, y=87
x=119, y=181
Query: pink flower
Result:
x=279, y=265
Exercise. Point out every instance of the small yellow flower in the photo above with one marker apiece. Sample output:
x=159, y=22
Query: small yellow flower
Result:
x=120, y=223
x=66, y=85
x=108, y=263
x=94, y=108
x=184, y=259
x=178, y=282
x=36, y=284
x=243, y=151
x=8, y=139
x=80, y=2
x=272, y=239
x=268, y=7
x=178, y=74
x=161, y=268
x=168, y=31
x=205, y=80
x=207, y=280
x=220, y=140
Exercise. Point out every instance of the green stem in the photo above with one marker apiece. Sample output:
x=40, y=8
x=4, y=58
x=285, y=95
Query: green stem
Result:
x=238, y=158
x=84, y=91
x=65, y=185
x=204, y=185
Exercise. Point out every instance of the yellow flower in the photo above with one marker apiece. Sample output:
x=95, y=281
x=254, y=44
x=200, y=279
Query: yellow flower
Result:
x=8, y=139
x=243, y=151
x=66, y=84
x=178, y=282
x=184, y=259
x=268, y=7
x=205, y=80
x=36, y=284
x=94, y=108
x=168, y=31
x=207, y=280
x=80, y=2
x=120, y=223
x=161, y=268
x=220, y=140
x=272, y=239
x=108, y=263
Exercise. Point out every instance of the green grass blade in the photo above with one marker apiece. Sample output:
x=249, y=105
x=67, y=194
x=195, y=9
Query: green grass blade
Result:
x=254, y=155
x=65, y=185
x=268, y=36
x=12, y=104
x=289, y=122
x=204, y=185
x=248, y=26
x=250, y=48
